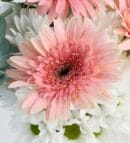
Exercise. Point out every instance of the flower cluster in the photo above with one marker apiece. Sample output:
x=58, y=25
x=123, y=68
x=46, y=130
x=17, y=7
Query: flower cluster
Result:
x=64, y=70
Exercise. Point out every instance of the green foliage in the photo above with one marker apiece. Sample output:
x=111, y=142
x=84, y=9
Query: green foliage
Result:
x=2, y=27
x=3, y=79
x=6, y=48
x=6, y=0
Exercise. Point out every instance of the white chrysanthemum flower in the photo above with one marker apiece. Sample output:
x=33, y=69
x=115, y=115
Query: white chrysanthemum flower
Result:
x=25, y=130
x=110, y=136
x=22, y=92
x=118, y=122
x=24, y=24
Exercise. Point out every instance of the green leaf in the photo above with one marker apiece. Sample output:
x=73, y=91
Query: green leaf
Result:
x=2, y=69
x=4, y=46
x=3, y=60
x=2, y=27
x=6, y=0
x=6, y=50
x=3, y=79
x=3, y=22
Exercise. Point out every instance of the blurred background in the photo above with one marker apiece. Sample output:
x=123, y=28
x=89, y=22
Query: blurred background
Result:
x=6, y=136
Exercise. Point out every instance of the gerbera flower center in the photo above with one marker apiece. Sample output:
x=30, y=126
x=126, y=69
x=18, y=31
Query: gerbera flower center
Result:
x=66, y=64
x=64, y=71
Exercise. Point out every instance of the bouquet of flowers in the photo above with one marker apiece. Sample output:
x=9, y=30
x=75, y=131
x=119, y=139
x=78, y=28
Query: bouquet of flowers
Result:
x=65, y=70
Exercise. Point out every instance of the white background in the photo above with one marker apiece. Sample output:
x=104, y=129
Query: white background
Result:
x=6, y=136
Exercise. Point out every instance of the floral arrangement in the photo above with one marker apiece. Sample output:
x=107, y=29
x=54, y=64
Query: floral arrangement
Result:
x=65, y=70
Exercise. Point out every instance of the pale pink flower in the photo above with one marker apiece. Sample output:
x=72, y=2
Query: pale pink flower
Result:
x=61, y=7
x=123, y=9
x=71, y=64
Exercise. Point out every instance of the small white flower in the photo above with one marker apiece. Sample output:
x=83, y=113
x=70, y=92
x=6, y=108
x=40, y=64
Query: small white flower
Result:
x=25, y=130
x=24, y=24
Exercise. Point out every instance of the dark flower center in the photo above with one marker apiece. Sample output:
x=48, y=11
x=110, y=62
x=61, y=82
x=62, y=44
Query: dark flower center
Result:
x=64, y=71
x=65, y=65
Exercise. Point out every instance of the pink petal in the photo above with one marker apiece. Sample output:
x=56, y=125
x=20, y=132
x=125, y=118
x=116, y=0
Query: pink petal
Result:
x=123, y=5
x=77, y=7
x=61, y=6
x=16, y=66
x=90, y=9
x=20, y=61
x=16, y=84
x=82, y=100
x=27, y=50
x=36, y=42
x=48, y=38
x=50, y=35
x=65, y=12
x=58, y=109
x=32, y=1
x=42, y=9
x=52, y=10
x=59, y=28
x=38, y=106
x=16, y=74
x=125, y=45
x=45, y=2
x=30, y=100
x=121, y=31
x=74, y=29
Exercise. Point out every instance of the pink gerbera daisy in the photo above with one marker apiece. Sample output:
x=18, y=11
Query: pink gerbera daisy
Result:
x=71, y=64
x=61, y=7
x=123, y=9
